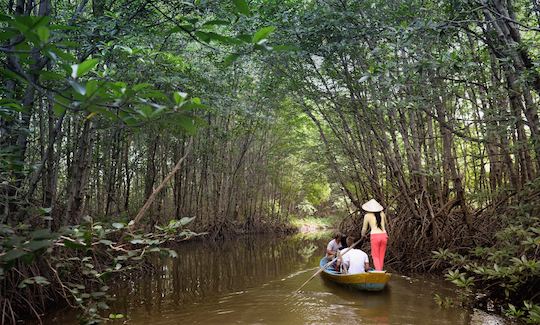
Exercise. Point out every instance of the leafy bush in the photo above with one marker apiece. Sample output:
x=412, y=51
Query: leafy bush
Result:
x=76, y=262
x=505, y=273
x=306, y=208
x=318, y=193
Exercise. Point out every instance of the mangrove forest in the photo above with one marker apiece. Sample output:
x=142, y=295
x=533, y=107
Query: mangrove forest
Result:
x=135, y=133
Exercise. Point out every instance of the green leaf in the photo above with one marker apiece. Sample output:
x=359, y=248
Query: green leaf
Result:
x=12, y=255
x=43, y=210
x=28, y=258
x=245, y=37
x=187, y=123
x=78, y=70
x=224, y=39
x=58, y=109
x=145, y=111
x=55, y=53
x=118, y=225
x=5, y=17
x=35, y=245
x=116, y=316
x=74, y=245
x=49, y=75
x=7, y=34
x=242, y=7
x=219, y=22
x=43, y=34
x=230, y=59
x=34, y=280
x=40, y=280
x=203, y=36
x=182, y=28
x=141, y=86
x=126, y=49
x=184, y=221
x=179, y=97
x=80, y=89
x=42, y=234
x=262, y=34
x=63, y=27
x=29, y=23
x=11, y=75
x=192, y=105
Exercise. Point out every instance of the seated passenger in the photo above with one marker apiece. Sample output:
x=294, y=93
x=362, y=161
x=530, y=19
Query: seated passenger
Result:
x=355, y=260
x=333, y=246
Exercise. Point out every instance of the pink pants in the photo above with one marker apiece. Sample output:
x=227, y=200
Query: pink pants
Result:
x=378, y=249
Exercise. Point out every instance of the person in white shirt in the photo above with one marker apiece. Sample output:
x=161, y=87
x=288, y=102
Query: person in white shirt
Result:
x=355, y=260
x=333, y=246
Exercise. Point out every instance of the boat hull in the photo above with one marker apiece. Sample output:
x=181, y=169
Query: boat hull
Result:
x=370, y=281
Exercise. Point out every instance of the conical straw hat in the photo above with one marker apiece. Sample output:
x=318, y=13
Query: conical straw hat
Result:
x=372, y=206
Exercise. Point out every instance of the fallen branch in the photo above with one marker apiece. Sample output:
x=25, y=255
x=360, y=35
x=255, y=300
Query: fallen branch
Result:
x=152, y=196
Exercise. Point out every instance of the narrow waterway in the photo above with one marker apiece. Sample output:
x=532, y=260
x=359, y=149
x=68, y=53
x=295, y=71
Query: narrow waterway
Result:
x=253, y=280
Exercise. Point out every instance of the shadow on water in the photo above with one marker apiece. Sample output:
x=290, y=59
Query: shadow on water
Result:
x=253, y=280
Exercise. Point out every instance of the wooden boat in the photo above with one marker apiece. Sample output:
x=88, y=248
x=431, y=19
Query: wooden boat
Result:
x=370, y=281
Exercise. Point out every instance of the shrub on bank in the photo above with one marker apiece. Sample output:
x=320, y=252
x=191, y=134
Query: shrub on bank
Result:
x=505, y=274
x=39, y=268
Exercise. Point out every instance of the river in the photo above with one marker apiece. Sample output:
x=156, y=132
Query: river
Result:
x=253, y=280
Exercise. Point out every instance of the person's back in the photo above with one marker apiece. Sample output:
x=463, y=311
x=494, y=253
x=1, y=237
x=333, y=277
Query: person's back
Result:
x=356, y=260
x=371, y=220
x=376, y=220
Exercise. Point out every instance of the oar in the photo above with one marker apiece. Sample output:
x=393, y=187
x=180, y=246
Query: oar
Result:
x=327, y=264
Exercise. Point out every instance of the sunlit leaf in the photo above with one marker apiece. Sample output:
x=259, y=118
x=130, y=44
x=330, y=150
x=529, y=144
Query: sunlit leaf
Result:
x=262, y=33
x=78, y=70
x=43, y=34
x=118, y=225
x=179, y=96
x=184, y=221
x=116, y=316
x=242, y=7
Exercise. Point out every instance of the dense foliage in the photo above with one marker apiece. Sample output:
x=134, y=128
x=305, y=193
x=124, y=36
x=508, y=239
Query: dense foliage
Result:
x=240, y=115
x=431, y=107
x=98, y=112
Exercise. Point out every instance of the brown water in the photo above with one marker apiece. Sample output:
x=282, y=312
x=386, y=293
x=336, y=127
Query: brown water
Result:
x=254, y=281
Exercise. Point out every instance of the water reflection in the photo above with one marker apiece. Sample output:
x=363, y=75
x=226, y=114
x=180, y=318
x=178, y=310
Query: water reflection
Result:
x=372, y=307
x=204, y=270
x=254, y=281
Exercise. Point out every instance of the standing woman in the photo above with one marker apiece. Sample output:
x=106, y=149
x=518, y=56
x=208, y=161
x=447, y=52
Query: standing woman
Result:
x=376, y=220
